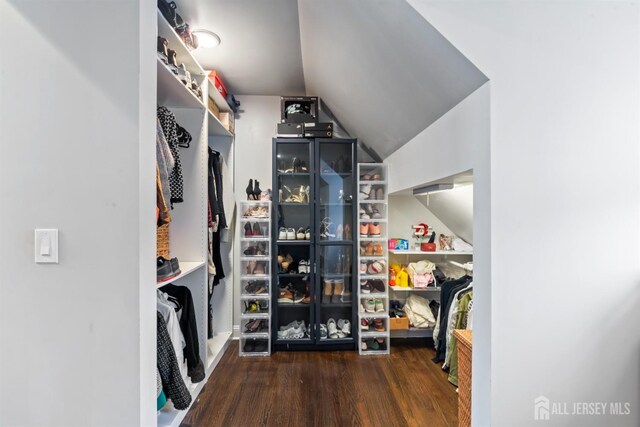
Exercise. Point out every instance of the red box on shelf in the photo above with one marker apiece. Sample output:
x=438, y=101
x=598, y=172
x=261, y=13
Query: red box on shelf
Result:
x=217, y=83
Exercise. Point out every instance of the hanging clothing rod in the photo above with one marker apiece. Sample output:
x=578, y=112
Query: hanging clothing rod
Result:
x=468, y=266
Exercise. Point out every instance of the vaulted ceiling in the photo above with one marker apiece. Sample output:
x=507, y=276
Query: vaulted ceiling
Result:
x=384, y=72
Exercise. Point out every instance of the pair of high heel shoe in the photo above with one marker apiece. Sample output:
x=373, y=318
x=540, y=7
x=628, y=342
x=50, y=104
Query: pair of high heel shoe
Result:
x=253, y=190
x=299, y=195
x=253, y=230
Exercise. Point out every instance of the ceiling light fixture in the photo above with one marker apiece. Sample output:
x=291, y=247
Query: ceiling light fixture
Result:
x=430, y=189
x=206, y=39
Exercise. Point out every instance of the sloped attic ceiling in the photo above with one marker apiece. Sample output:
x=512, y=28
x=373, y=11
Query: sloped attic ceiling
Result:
x=384, y=72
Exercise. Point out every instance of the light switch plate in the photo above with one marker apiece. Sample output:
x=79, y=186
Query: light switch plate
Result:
x=46, y=245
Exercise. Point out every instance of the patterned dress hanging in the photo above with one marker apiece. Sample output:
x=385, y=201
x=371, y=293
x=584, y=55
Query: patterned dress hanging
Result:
x=169, y=128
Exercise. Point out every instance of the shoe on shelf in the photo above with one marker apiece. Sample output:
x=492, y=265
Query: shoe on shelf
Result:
x=339, y=232
x=368, y=249
x=370, y=306
x=364, y=230
x=307, y=233
x=298, y=296
x=363, y=268
x=379, y=306
x=328, y=291
x=292, y=332
x=184, y=75
x=365, y=287
x=344, y=326
x=291, y=234
x=364, y=214
x=257, y=231
x=165, y=270
x=300, y=234
x=364, y=324
x=248, y=230
x=249, y=346
x=285, y=296
x=365, y=190
x=381, y=342
x=378, y=250
x=375, y=213
x=332, y=328
x=307, y=293
x=163, y=46
x=323, y=331
x=373, y=345
x=377, y=285
x=175, y=266
x=378, y=325
x=302, y=267
x=338, y=289
x=261, y=346
x=374, y=229
x=363, y=345
x=282, y=233
x=380, y=193
x=376, y=267
x=171, y=58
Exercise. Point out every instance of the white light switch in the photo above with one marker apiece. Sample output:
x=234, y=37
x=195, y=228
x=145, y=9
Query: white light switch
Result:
x=46, y=245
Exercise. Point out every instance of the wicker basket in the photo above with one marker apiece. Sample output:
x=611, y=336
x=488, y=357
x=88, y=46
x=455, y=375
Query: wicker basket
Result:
x=464, y=337
x=163, y=241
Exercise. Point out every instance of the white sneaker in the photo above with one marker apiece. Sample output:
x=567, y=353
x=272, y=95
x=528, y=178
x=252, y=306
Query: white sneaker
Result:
x=291, y=234
x=282, y=234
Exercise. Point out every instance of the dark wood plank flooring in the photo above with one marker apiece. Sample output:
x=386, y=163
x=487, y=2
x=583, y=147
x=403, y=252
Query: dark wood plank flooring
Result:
x=337, y=388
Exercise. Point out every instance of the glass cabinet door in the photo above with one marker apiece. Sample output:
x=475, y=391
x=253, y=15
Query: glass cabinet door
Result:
x=293, y=198
x=335, y=224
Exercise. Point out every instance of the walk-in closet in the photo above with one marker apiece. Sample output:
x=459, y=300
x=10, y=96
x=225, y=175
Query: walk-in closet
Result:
x=318, y=213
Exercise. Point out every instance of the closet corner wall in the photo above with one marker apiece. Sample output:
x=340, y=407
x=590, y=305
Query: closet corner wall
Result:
x=189, y=224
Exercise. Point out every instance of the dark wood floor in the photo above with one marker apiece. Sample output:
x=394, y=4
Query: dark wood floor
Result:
x=327, y=389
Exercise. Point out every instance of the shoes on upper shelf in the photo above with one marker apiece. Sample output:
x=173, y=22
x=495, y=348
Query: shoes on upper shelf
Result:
x=372, y=229
x=285, y=233
x=297, y=195
x=371, y=192
x=258, y=211
x=296, y=166
x=167, y=269
x=371, y=175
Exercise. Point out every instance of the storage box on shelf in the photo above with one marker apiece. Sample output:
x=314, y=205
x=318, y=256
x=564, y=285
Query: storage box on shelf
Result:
x=255, y=278
x=373, y=262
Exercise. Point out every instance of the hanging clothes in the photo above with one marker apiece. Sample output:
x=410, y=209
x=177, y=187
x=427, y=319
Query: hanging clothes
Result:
x=172, y=384
x=215, y=187
x=189, y=328
x=452, y=321
x=169, y=128
x=449, y=289
x=168, y=312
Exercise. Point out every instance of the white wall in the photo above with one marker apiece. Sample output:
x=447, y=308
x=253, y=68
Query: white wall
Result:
x=255, y=129
x=456, y=143
x=73, y=118
x=405, y=211
x=455, y=208
x=564, y=80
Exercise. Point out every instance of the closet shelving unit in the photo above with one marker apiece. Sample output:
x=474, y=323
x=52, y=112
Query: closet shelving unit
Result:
x=188, y=228
x=431, y=293
x=256, y=343
x=367, y=337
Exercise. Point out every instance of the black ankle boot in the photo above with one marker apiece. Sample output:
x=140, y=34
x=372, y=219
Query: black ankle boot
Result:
x=257, y=191
x=250, y=190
